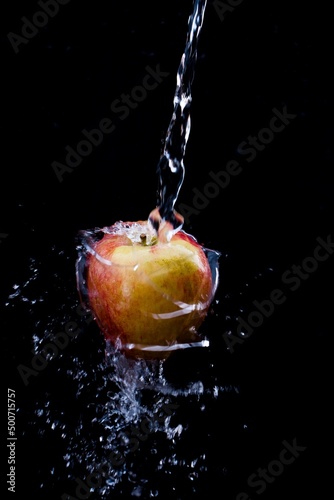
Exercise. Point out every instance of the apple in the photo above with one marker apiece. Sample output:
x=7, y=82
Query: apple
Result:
x=148, y=292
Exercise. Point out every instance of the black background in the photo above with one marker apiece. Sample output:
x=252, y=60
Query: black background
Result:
x=263, y=55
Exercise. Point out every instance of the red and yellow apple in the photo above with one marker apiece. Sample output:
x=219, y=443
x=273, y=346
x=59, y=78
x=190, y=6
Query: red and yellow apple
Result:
x=146, y=292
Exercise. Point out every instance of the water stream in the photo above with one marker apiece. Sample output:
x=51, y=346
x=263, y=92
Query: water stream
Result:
x=171, y=168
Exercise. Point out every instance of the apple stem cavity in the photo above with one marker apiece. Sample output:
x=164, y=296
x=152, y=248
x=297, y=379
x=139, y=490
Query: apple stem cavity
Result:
x=148, y=241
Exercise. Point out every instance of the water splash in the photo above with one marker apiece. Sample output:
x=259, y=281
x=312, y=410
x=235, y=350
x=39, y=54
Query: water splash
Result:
x=165, y=220
x=122, y=422
x=137, y=410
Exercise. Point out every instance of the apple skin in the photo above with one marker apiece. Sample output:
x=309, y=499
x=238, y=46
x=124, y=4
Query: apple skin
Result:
x=148, y=293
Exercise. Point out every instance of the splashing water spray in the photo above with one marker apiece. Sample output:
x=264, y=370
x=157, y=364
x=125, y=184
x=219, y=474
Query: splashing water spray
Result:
x=148, y=283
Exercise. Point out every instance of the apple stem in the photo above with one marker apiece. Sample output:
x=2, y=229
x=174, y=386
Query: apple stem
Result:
x=143, y=239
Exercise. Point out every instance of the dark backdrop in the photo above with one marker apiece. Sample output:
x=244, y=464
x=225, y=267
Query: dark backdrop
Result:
x=253, y=58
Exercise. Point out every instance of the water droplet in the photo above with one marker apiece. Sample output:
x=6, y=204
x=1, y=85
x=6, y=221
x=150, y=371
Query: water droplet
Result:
x=137, y=492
